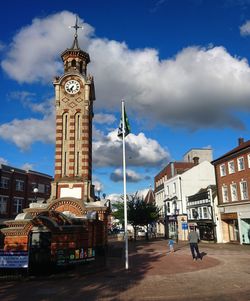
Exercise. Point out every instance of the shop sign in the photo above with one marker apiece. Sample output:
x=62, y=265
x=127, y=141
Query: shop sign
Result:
x=14, y=260
x=226, y=216
x=184, y=226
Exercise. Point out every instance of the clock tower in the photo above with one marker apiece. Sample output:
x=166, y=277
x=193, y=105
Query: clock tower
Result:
x=74, y=96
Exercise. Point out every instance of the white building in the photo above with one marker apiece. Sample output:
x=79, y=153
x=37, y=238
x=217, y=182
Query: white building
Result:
x=178, y=188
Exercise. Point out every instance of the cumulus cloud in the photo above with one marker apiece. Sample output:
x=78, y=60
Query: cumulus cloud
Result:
x=140, y=151
x=245, y=29
x=25, y=132
x=199, y=87
x=131, y=176
x=36, y=47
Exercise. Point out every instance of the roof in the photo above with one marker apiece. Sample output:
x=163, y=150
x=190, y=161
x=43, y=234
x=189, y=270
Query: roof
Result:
x=150, y=197
x=235, y=150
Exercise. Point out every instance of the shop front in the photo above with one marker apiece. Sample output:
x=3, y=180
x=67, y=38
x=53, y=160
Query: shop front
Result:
x=230, y=227
x=245, y=227
x=206, y=230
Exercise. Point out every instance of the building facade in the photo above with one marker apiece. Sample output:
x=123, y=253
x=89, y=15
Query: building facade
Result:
x=17, y=190
x=204, y=215
x=233, y=184
x=175, y=192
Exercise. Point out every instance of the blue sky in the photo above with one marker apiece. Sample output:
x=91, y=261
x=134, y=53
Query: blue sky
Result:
x=181, y=66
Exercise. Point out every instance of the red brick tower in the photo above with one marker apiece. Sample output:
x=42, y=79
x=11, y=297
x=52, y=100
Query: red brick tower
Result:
x=74, y=96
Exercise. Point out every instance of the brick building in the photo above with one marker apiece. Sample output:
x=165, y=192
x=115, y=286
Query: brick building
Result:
x=17, y=190
x=233, y=185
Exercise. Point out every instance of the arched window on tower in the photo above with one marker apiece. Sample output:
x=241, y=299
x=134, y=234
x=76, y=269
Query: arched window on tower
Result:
x=73, y=63
x=66, y=66
x=65, y=126
x=81, y=64
x=78, y=126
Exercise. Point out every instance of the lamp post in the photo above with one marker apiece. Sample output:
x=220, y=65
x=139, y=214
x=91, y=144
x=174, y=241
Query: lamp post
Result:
x=166, y=220
x=35, y=190
x=175, y=216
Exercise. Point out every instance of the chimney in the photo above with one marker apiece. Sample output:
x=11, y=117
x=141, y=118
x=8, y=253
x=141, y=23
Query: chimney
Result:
x=196, y=160
x=240, y=140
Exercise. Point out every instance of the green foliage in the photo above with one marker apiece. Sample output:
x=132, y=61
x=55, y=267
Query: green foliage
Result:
x=118, y=211
x=139, y=213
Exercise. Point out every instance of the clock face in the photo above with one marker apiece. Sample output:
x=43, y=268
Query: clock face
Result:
x=72, y=86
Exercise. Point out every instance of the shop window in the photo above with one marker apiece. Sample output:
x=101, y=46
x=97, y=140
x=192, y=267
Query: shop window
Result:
x=222, y=170
x=241, y=165
x=231, y=168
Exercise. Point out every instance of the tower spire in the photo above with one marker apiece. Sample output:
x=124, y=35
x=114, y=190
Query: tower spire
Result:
x=75, y=44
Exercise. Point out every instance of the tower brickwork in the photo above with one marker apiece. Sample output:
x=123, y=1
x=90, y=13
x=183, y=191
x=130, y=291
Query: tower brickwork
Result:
x=74, y=96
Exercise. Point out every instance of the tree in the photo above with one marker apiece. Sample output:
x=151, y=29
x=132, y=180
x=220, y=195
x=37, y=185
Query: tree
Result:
x=118, y=212
x=141, y=213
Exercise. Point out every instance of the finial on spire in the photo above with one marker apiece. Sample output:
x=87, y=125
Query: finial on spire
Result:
x=76, y=26
x=75, y=44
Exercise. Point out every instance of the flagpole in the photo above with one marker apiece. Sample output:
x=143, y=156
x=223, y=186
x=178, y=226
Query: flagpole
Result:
x=124, y=187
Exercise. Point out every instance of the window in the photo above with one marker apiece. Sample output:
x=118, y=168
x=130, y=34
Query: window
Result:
x=241, y=165
x=248, y=159
x=243, y=190
x=231, y=168
x=205, y=213
x=41, y=188
x=4, y=183
x=167, y=190
x=19, y=185
x=174, y=187
x=222, y=170
x=47, y=188
x=224, y=194
x=200, y=212
x=3, y=204
x=168, y=207
x=18, y=205
x=234, y=196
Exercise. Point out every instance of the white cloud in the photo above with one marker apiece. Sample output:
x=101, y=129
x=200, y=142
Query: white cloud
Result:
x=131, y=176
x=37, y=47
x=199, y=87
x=140, y=151
x=25, y=132
x=3, y=161
x=27, y=166
x=245, y=29
x=102, y=118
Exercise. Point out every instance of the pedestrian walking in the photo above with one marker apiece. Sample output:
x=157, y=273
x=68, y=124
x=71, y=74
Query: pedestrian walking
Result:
x=171, y=245
x=193, y=239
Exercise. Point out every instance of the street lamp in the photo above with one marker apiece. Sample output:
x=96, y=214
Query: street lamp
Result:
x=166, y=220
x=35, y=190
x=175, y=216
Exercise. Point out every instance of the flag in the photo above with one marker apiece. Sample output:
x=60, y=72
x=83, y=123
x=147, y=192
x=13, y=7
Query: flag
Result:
x=126, y=126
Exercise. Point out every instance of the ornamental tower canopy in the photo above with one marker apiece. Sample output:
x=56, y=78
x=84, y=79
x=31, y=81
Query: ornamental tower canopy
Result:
x=74, y=58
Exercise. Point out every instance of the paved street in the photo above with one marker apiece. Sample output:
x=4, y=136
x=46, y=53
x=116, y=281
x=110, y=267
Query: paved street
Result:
x=154, y=274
